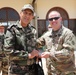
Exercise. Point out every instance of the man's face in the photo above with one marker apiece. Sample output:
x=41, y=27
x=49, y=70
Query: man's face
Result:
x=25, y=17
x=55, y=20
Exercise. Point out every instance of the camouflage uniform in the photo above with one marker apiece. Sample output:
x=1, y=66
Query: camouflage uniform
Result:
x=62, y=44
x=0, y=53
x=18, y=43
x=3, y=61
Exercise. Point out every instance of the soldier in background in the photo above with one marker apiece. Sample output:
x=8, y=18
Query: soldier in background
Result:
x=49, y=27
x=20, y=44
x=60, y=45
x=1, y=51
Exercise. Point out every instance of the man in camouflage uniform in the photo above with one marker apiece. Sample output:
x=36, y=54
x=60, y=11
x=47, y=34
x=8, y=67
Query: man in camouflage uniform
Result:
x=60, y=45
x=3, y=61
x=19, y=44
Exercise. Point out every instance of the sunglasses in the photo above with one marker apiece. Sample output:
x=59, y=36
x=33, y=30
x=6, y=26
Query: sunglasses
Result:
x=55, y=18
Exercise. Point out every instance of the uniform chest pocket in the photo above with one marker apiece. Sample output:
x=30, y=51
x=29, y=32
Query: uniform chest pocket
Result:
x=60, y=43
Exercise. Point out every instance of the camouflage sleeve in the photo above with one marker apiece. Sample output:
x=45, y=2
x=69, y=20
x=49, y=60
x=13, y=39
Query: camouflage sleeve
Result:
x=67, y=52
x=9, y=48
x=8, y=42
x=40, y=42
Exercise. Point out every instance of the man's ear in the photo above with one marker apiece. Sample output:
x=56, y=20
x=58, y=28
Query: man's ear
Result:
x=34, y=15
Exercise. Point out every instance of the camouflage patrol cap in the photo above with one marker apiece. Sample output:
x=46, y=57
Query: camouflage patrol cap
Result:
x=28, y=6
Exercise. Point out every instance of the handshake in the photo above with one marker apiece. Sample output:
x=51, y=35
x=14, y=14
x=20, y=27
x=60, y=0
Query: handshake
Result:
x=40, y=43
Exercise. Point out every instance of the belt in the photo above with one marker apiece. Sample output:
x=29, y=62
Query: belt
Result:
x=17, y=69
x=24, y=62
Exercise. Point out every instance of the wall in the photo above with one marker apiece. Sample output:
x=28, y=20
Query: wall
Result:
x=43, y=6
x=16, y=4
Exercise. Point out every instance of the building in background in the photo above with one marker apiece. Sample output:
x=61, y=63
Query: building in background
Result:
x=9, y=12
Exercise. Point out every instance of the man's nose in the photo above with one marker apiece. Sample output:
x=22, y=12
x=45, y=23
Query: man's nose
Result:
x=53, y=20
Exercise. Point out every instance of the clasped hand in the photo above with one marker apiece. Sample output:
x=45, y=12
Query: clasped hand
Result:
x=33, y=54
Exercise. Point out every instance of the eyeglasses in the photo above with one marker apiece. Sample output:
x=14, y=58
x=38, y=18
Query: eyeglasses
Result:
x=55, y=18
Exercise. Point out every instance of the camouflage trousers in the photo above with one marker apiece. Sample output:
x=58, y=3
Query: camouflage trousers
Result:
x=23, y=70
x=61, y=73
x=72, y=73
x=53, y=71
x=4, y=68
x=57, y=72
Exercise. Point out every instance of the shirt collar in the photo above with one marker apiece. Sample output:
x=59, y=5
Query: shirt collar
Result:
x=19, y=25
x=58, y=32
